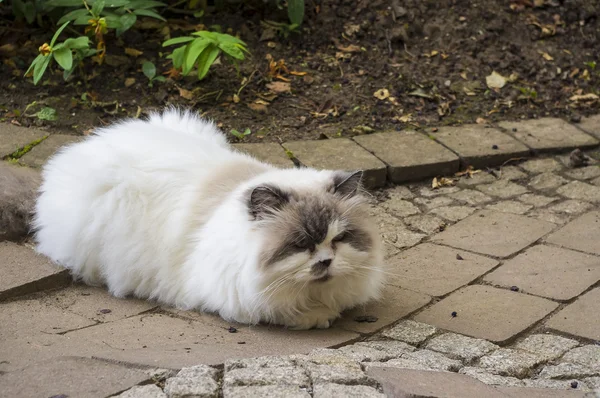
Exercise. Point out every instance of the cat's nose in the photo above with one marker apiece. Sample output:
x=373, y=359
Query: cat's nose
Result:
x=325, y=263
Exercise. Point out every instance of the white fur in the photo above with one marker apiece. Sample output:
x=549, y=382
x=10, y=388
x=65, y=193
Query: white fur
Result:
x=119, y=209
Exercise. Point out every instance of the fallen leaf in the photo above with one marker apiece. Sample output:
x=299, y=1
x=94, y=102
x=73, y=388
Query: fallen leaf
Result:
x=585, y=97
x=546, y=56
x=236, y=98
x=352, y=48
x=257, y=107
x=420, y=93
x=442, y=182
x=573, y=73
x=381, y=94
x=292, y=72
x=464, y=75
x=130, y=81
x=133, y=52
x=513, y=77
x=495, y=80
x=469, y=172
x=187, y=94
x=480, y=120
x=351, y=29
x=585, y=75
x=432, y=54
x=279, y=87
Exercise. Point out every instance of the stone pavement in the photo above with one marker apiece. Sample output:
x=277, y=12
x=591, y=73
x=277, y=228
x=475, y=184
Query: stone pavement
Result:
x=493, y=289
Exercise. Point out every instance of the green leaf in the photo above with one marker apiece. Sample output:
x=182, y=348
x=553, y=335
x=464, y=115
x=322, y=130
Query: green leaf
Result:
x=64, y=57
x=247, y=132
x=177, y=40
x=29, y=12
x=58, y=32
x=78, y=43
x=65, y=3
x=149, y=70
x=232, y=50
x=296, y=11
x=113, y=22
x=97, y=8
x=237, y=134
x=148, y=13
x=37, y=59
x=207, y=35
x=40, y=68
x=206, y=59
x=127, y=21
x=160, y=79
x=82, y=20
x=73, y=15
x=178, y=55
x=112, y=3
x=192, y=52
x=47, y=113
x=224, y=37
x=144, y=4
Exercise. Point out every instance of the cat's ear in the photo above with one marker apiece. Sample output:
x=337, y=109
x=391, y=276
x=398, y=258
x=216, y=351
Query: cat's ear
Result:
x=265, y=200
x=347, y=184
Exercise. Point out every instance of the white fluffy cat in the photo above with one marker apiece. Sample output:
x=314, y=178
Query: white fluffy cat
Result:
x=165, y=209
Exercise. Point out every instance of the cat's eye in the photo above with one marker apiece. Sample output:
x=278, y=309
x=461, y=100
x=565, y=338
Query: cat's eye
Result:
x=339, y=237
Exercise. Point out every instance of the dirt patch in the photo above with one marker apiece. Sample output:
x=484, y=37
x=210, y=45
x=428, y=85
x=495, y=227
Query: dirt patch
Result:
x=370, y=65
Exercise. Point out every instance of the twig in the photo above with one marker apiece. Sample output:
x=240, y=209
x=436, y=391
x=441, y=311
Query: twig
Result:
x=389, y=42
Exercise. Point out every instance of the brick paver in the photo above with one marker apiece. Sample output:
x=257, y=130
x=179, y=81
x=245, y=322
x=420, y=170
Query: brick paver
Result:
x=494, y=233
x=548, y=271
x=340, y=153
x=549, y=134
x=409, y=155
x=436, y=270
x=486, y=312
x=581, y=234
x=42, y=152
x=267, y=152
x=479, y=146
x=580, y=318
x=24, y=271
x=13, y=138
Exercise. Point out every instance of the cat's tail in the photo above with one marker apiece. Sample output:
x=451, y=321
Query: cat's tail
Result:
x=189, y=122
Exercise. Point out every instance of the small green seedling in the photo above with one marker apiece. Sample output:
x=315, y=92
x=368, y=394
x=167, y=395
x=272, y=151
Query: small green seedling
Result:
x=149, y=70
x=239, y=135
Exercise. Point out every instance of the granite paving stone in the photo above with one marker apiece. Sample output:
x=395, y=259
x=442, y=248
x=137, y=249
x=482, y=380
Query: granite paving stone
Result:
x=475, y=145
x=428, y=192
x=418, y=383
x=568, y=370
x=460, y=347
x=39, y=154
x=592, y=382
x=502, y=189
x=580, y=234
x=400, y=192
x=570, y=207
x=259, y=362
x=395, y=304
x=541, y=165
x=427, y=224
x=432, y=203
x=267, y=152
x=331, y=390
x=588, y=355
x=70, y=377
x=295, y=376
x=596, y=182
x=436, y=270
x=512, y=173
x=547, y=271
x=13, y=138
x=272, y=391
x=494, y=233
x=195, y=381
x=541, y=392
x=510, y=206
x=508, y=362
x=409, y=155
x=400, y=208
x=339, y=153
x=581, y=318
x=146, y=391
x=547, y=215
x=371, y=351
x=410, y=332
x=547, y=181
x=24, y=271
x=486, y=312
x=547, y=346
x=584, y=173
x=537, y=200
x=549, y=134
x=492, y=379
x=471, y=197
x=393, y=232
x=453, y=213
x=424, y=360
x=481, y=177
x=580, y=190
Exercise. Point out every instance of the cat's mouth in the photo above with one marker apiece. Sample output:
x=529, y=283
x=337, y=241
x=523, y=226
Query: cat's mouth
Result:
x=324, y=278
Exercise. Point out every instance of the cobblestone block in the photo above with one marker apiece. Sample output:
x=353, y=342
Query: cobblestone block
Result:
x=277, y=391
x=507, y=362
x=339, y=154
x=394, y=234
x=400, y=208
x=549, y=134
x=266, y=376
x=548, y=271
x=584, y=173
x=494, y=233
x=147, y=391
x=421, y=360
x=580, y=190
x=486, y=377
x=502, y=189
x=580, y=234
x=476, y=145
x=432, y=203
x=567, y=370
x=428, y=192
x=543, y=165
x=471, y=197
x=460, y=347
x=13, y=138
x=486, y=312
x=546, y=181
x=410, y=332
x=195, y=381
x=537, y=200
x=590, y=125
x=271, y=153
x=340, y=391
x=510, y=206
x=588, y=355
x=547, y=215
x=512, y=173
x=547, y=346
x=40, y=153
x=436, y=270
x=425, y=223
x=480, y=178
x=409, y=155
x=570, y=207
x=391, y=348
x=260, y=362
x=580, y=318
x=453, y=213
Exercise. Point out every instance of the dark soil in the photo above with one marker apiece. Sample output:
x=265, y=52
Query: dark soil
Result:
x=432, y=57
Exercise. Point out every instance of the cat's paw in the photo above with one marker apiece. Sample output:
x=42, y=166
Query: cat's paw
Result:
x=316, y=321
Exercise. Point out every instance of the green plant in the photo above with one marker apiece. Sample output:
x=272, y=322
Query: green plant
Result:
x=295, y=10
x=591, y=65
x=282, y=29
x=239, y=135
x=202, y=49
x=527, y=93
x=31, y=10
x=149, y=70
x=64, y=54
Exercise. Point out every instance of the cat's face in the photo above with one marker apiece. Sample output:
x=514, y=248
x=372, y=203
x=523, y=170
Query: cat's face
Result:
x=316, y=235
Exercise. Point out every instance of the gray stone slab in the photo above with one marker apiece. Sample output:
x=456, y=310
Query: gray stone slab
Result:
x=581, y=318
x=460, y=347
x=547, y=346
x=23, y=271
x=436, y=270
x=40, y=153
x=271, y=153
x=494, y=233
x=475, y=145
x=330, y=390
x=13, y=138
x=195, y=381
x=273, y=391
x=18, y=193
x=580, y=190
x=410, y=331
x=547, y=271
x=580, y=234
x=549, y=134
x=340, y=154
x=590, y=125
x=72, y=377
x=487, y=313
x=410, y=155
